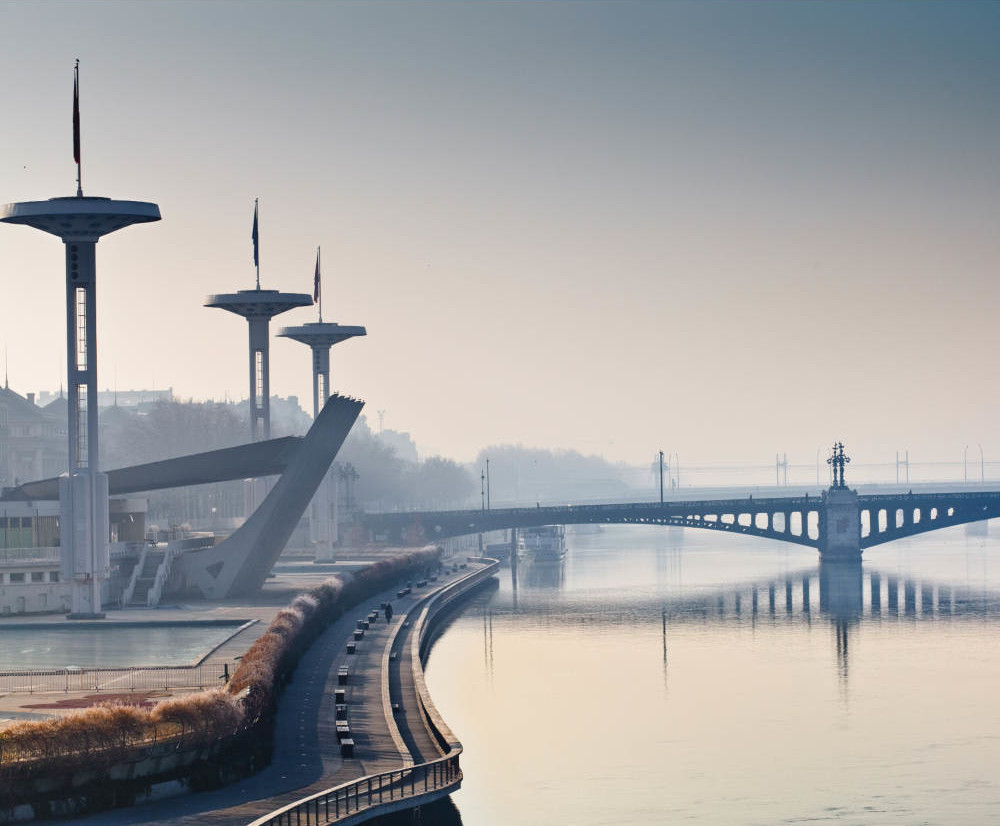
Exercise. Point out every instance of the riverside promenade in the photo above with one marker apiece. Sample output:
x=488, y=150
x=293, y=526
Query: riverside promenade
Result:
x=384, y=671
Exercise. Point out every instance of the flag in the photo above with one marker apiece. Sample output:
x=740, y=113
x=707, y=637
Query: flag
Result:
x=253, y=236
x=316, y=279
x=76, y=113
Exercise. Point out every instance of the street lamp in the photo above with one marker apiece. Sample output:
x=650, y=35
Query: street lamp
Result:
x=965, y=464
x=982, y=466
x=661, y=477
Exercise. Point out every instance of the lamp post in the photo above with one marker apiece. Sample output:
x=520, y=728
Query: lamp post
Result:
x=982, y=466
x=661, y=477
x=965, y=465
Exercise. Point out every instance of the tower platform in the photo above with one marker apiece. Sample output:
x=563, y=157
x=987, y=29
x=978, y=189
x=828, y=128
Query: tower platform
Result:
x=322, y=333
x=258, y=307
x=258, y=303
x=79, y=218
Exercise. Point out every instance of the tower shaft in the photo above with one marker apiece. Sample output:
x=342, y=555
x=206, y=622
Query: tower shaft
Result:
x=321, y=377
x=260, y=379
x=84, y=536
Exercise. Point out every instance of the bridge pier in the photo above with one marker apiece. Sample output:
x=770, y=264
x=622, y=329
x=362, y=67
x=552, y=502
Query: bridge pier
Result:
x=840, y=526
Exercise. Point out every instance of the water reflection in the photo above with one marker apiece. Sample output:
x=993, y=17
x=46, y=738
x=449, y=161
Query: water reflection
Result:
x=842, y=593
x=743, y=669
x=544, y=576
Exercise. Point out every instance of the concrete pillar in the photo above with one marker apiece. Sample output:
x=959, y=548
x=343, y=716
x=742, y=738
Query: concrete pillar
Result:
x=840, y=526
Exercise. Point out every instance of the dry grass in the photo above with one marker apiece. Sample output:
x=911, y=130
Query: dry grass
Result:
x=108, y=730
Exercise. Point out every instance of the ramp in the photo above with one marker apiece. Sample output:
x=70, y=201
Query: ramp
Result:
x=240, y=564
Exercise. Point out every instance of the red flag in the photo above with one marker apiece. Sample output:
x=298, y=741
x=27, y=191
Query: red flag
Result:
x=76, y=113
x=316, y=279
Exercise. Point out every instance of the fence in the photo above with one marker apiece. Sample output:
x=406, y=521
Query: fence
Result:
x=366, y=793
x=113, y=680
x=41, y=554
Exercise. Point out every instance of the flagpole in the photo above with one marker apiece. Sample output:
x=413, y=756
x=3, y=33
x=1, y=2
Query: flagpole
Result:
x=256, y=243
x=319, y=286
x=76, y=126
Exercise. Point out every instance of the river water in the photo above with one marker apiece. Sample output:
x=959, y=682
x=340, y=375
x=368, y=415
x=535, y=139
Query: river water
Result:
x=662, y=676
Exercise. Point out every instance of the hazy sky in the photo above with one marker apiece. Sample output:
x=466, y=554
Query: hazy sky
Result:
x=723, y=229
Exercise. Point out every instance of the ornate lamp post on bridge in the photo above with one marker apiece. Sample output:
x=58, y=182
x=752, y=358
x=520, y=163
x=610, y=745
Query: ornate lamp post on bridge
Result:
x=840, y=516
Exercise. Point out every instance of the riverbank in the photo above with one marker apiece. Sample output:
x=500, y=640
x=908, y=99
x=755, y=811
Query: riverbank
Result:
x=306, y=757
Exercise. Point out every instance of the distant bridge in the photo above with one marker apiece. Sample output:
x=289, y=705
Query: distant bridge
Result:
x=839, y=522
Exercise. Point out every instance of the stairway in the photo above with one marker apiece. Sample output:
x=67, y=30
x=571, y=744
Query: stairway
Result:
x=146, y=578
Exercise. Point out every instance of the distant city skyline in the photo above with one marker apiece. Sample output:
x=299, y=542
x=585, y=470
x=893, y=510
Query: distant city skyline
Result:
x=725, y=230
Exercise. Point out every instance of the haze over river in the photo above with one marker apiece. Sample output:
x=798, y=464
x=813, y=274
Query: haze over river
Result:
x=646, y=679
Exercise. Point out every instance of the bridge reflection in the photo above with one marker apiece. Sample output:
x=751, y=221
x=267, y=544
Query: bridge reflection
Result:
x=848, y=592
x=845, y=595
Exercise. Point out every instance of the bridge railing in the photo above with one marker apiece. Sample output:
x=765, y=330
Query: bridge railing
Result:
x=963, y=496
x=375, y=790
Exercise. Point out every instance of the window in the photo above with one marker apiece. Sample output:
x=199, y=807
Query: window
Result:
x=38, y=576
x=53, y=576
x=16, y=577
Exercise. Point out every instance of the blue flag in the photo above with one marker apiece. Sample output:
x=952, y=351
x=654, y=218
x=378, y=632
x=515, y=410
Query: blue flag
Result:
x=253, y=235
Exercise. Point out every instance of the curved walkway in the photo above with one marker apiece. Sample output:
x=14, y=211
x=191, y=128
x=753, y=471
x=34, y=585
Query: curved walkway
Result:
x=307, y=754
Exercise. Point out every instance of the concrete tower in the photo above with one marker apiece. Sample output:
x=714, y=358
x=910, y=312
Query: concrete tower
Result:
x=258, y=307
x=320, y=337
x=80, y=222
x=83, y=494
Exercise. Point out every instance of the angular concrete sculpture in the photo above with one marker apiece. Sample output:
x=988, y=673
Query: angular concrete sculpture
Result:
x=240, y=564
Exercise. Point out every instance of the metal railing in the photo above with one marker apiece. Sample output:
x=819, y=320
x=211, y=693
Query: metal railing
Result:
x=113, y=680
x=130, y=588
x=367, y=793
x=42, y=554
x=162, y=573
